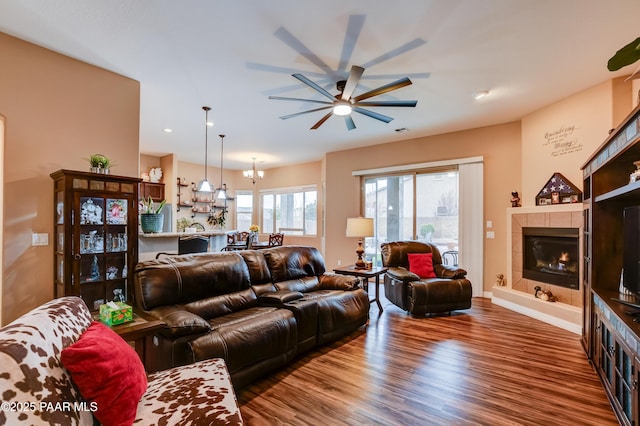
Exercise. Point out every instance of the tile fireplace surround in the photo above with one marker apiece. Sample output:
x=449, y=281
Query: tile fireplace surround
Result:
x=517, y=294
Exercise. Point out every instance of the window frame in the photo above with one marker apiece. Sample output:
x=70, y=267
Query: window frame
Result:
x=274, y=192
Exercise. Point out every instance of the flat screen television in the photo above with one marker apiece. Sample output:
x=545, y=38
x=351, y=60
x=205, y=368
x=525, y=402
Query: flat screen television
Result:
x=631, y=249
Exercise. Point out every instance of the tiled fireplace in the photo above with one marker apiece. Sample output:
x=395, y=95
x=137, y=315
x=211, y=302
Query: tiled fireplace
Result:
x=559, y=261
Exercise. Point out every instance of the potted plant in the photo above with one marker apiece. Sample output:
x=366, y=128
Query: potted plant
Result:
x=100, y=163
x=427, y=231
x=218, y=219
x=151, y=218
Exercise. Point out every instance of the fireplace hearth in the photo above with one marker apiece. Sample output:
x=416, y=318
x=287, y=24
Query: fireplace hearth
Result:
x=550, y=255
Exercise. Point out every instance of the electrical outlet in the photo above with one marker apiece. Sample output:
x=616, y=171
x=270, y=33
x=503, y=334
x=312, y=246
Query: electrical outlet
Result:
x=40, y=239
x=339, y=262
x=489, y=224
x=491, y=234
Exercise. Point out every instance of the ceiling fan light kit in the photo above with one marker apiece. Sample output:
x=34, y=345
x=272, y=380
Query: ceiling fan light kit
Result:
x=343, y=104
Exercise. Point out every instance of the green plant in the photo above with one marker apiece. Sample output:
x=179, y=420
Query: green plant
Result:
x=219, y=218
x=149, y=207
x=427, y=228
x=625, y=56
x=183, y=223
x=100, y=160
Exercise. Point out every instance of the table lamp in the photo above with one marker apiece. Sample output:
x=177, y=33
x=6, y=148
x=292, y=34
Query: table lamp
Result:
x=360, y=227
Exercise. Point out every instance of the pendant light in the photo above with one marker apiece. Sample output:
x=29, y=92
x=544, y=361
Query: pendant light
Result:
x=204, y=185
x=222, y=191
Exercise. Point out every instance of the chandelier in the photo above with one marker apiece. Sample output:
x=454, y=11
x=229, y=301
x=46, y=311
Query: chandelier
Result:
x=253, y=174
x=204, y=185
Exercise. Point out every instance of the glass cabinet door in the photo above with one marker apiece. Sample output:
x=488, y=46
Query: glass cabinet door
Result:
x=102, y=255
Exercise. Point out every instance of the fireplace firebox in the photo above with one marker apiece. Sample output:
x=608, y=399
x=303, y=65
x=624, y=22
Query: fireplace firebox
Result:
x=550, y=255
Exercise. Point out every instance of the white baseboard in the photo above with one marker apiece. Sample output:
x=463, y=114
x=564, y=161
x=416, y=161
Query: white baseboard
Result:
x=549, y=319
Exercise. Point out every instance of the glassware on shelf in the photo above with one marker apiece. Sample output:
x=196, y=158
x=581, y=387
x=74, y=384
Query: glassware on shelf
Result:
x=95, y=269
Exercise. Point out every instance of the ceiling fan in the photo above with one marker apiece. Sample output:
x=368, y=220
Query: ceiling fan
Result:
x=344, y=103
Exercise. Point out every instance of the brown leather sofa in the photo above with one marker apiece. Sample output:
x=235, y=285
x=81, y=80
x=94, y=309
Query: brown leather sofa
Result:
x=257, y=309
x=449, y=291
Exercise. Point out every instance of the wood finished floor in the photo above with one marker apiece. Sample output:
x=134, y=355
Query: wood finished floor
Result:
x=483, y=366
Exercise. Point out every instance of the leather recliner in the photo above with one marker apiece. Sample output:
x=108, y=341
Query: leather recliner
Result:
x=449, y=291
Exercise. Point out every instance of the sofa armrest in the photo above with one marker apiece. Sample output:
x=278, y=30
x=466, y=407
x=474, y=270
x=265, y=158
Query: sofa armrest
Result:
x=451, y=272
x=332, y=281
x=401, y=274
x=179, y=321
x=278, y=298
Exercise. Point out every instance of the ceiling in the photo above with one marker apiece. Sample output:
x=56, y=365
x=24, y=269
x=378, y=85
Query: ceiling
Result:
x=232, y=55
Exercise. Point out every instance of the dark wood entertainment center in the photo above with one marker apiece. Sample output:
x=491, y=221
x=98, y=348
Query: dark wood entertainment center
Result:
x=610, y=336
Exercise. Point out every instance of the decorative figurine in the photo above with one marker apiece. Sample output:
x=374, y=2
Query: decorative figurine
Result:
x=500, y=280
x=515, y=199
x=635, y=176
x=545, y=295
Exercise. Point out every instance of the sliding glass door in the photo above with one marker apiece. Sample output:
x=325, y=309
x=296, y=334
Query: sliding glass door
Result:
x=415, y=206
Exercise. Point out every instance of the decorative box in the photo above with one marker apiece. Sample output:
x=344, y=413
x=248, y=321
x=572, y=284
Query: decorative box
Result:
x=114, y=313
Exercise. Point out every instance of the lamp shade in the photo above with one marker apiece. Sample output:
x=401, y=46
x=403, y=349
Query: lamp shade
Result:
x=360, y=227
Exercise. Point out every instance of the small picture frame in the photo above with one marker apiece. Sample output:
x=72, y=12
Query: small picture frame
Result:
x=555, y=198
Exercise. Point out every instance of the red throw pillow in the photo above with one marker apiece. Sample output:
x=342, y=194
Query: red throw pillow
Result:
x=421, y=264
x=108, y=372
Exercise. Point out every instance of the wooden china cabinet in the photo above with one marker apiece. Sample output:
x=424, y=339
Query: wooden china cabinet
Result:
x=96, y=236
x=611, y=333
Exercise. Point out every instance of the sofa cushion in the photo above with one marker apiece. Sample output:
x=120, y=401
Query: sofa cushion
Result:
x=421, y=264
x=248, y=337
x=302, y=285
x=292, y=262
x=199, y=393
x=183, y=279
x=224, y=304
x=108, y=373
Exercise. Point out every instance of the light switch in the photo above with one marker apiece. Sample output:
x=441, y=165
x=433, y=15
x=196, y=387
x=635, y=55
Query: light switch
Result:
x=491, y=234
x=40, y=239
x=489, y=224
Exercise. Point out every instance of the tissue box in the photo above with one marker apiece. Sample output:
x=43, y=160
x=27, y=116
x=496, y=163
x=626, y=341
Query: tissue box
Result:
x=119, y=313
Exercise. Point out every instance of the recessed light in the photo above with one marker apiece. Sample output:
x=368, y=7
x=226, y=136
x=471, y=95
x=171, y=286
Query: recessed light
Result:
x=480, y=94
x=167, y=130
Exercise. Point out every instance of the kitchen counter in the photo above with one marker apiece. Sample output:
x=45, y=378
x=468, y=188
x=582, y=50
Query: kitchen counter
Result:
x=167, y=242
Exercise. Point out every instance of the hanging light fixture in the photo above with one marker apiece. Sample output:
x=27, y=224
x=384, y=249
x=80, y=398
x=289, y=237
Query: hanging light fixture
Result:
x=253, y=174
x=204, y=185
x=222, y=191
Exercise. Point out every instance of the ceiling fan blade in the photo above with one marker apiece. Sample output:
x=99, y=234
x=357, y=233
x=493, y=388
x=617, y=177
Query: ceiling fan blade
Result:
x=384, y=89
x=372, y=114
x=313, y=85
x=352, y=82
x=349, y=122
x=322, y=120
x=354, y=28
x=284, y=117
x=388, y=104
x=281, y=98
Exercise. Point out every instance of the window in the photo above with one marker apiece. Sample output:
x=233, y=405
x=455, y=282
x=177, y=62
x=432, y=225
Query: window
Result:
x=421, y=205
x=244, y=210
x=292, y=211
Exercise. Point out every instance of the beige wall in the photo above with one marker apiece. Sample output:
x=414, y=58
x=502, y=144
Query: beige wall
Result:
x=58, y=112
x=561, y=136
x=500, y=147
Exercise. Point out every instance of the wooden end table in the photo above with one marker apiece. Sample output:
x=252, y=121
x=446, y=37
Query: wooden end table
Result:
x=365, y=274
x=140, y=331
